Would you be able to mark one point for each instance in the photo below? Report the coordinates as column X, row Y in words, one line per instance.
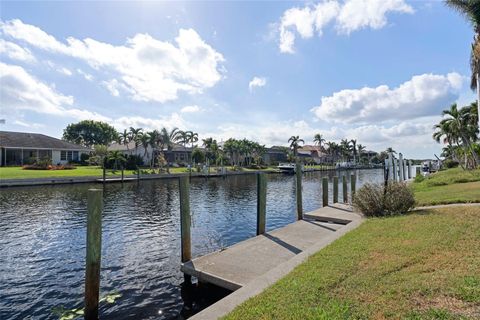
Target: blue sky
column 377, row 71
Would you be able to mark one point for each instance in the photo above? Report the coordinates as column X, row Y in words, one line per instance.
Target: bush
column 133, row 161
column 378, row 200
column 450, row 163
column 419, row 178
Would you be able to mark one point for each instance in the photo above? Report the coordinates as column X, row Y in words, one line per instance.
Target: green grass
column 449, row 186
column 424, row 265
column 83, row 171
column 19, row 173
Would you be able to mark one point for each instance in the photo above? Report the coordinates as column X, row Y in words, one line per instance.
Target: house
column 19, row 148
column 275, row 155
column 177, row 154
column 315, row 153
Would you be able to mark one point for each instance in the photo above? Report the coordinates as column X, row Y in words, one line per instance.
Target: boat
column 287, row 168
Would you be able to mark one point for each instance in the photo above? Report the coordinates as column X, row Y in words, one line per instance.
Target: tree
column 318, row 140
column 117, row 157
column 361, row 148
column 354, row 149
column 294, row 144
column 390, row 150
column 471, row 10
column 90, row 133
column 169, row 138
column 124, row 138
column 135, row 135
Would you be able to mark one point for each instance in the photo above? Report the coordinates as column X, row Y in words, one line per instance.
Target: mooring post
column 409, row 169
column 94, row 252
column 401, row 177
column 122, row 175
column 353, row 184
column 345, row 192
column 335, row 189
column 261, row 202
column 104, row 173
column 298, row 173
column 184, row 187
column 138, row 173
column 325, row 191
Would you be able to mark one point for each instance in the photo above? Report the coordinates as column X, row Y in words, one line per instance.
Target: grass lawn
column 80, row 171
column 449, row 186
column 19, row 173
column 425, row 265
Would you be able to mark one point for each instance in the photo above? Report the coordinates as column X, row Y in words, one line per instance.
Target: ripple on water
column 42, row 239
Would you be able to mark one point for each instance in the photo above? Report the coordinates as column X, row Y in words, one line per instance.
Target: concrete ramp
column 240, row 264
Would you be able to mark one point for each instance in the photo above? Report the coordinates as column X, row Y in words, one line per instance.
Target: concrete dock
column 242, row 263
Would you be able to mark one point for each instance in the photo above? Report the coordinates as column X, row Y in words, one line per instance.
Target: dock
column 242, row 263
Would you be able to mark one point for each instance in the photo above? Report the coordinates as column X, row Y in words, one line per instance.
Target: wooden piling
column 409, row 169
column 325, row 191
column 261, row 202
column 298, row 173
column 335, row 189
column 94, row 252
column 138, row 173
column 345, row 192
column 184, row 187
column 353, row 184
column 104, row 173
column 122, row 174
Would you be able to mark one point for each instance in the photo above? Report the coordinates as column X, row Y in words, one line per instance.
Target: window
column 63, row 155
column 75, row 156
column 69, row 155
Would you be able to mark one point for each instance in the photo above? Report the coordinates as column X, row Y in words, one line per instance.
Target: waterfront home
column 275, row 155
column 313, row 153
column 19, row 148
column 177, row 155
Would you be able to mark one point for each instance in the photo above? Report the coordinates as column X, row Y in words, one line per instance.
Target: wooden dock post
column 261, row 202
column 325, row 192
column 94, row 252
column 104, row 173
column 345, row 192
column 138, row 173
column 298, row 173
column 186, row 243
column 401, row 177
column 409, row 169
column 353, row 184
column 122, row 174
column 335, row 189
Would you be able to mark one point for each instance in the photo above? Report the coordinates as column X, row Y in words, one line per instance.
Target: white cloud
column 15, row 52
column 349, row 16
column 190, row 109
column 172, row 121
column 423, row 95
column 151, row 69
column 87, row 76
column 257, row 82
column 64, row 71
column 112, row 87
column 21, row 91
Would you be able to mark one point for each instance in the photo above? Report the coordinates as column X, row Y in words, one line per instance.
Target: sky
column 378, row 71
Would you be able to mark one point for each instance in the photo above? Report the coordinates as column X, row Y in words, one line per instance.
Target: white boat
column 287, row 168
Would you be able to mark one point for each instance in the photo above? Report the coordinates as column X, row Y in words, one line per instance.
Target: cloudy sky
column 379, row 71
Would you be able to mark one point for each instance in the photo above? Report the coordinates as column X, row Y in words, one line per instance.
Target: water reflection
column 43, row 234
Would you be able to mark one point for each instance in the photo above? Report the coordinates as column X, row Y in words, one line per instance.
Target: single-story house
column 275, row 155
column 19, row 148
column 177, row 154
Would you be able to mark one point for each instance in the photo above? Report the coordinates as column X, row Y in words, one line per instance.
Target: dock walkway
column 240, row 264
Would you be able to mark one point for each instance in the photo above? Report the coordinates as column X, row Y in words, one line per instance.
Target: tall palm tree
column 294, row 144
column 124, row 138
column 169, row 138
column 471, row 10
column 345, row 149
column 154, row 138
column 117, row 157
column 318, row 140
column 145, row 142
column 390, row 150
column 353, row 142
column 360, row 148
column 135, row 134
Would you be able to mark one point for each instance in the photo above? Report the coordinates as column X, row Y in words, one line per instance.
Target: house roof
column 10, row 139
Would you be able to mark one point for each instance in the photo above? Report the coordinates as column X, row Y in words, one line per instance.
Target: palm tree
column 294, row 144
column 169, row 138
column 145, row 142
column 135, row 135
column 390, row 150
column 354, row 150
column 318, row 140
column 117, row 157
column 153, row 138
column 361, row 148
column 459, row 126
column 345, row 149
column 124, row 138
column 471, row 10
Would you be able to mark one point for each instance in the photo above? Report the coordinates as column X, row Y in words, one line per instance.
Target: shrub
column 419, row 178
column 380, row 200
column 450, row 163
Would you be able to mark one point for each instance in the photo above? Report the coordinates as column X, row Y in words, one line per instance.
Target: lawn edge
column 257, row 286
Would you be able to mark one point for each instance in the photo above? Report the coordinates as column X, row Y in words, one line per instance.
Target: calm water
column 43, row 234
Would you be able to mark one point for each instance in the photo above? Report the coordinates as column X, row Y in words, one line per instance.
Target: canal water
column 43, row 235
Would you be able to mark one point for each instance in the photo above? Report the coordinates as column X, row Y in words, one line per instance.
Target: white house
column 18, row 148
